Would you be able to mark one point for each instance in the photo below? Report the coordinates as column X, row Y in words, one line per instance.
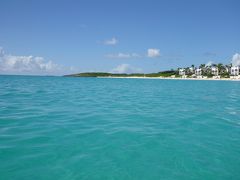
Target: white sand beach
column 175, row 78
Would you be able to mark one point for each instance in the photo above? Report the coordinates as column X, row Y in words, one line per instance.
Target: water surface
column 90, row 128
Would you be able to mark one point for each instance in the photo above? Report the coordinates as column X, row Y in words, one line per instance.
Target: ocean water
column 91, row 128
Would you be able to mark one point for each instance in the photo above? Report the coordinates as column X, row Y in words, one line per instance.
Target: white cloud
column 123, row 55
column 153, row 53
column 112, row 41
column 236, row 60
column 29, row 65
column 209, row 63
column 125, row 68
column 1, row 52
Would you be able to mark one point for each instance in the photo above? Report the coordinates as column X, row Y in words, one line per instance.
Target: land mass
column 103, row 74
column 214, row 71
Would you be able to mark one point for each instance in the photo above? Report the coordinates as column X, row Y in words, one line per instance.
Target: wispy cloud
column 125, row 68
column 29, row 65
column 236, row 60
column 123, row 55
column 209, row 54
column 209, row 63
column 152, row 53
column 112, row 41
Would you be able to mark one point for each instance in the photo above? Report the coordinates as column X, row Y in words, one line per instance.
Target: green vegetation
column 89, row 74
column 225, row 75
column 103, row 74
column 205, row 70
column 162, row 74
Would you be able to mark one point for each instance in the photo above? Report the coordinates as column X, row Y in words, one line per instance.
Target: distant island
column 213, row 71
column 103, row 74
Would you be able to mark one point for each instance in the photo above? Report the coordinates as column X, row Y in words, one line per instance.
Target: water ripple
column 87, row 128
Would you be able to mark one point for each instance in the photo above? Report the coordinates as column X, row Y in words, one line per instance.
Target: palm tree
column 202, row 66
column 192, row 69
column 221, row 68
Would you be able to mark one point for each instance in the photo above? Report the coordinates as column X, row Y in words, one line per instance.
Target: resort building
column 182, row 72
column 191, row 69
column 214, row 71
column 235, row 70
column 198, row 73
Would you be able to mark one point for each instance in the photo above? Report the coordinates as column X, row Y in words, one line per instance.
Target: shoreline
column 171, row 78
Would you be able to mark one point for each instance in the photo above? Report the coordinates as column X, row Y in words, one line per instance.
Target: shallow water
column 90, row 128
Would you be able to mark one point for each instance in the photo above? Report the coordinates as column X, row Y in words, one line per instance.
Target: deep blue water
column 90, row 128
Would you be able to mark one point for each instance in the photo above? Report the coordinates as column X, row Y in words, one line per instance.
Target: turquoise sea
column 90, row 128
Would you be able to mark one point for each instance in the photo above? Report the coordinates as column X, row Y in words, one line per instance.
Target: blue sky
column 116, row 35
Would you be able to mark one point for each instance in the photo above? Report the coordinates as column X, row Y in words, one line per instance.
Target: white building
column 182, row 72
column 235, row 71
column 198, row 72
column 191, row 69
column 214, row 71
